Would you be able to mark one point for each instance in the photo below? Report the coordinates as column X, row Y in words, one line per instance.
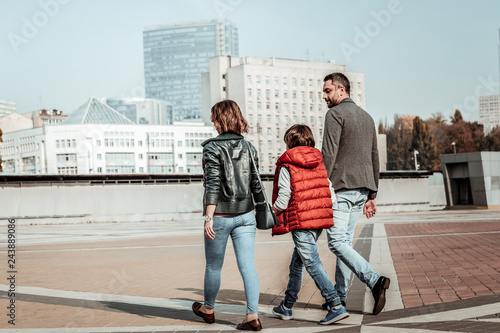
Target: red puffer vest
column 310, row 205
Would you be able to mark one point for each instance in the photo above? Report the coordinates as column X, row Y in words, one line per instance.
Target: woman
column 230, row 181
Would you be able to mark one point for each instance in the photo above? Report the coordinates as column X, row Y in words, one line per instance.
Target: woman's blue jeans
column 241, row 228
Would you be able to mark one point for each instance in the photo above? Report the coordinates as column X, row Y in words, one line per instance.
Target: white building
column 489, row 112
column 143, row 111
column 14, row 122
column 274, row 94
column 96, row 139
column 7, row 108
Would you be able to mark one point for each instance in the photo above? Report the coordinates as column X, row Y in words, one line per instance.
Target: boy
column 302, row 200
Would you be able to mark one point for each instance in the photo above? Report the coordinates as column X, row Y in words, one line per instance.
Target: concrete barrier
column 70, row 202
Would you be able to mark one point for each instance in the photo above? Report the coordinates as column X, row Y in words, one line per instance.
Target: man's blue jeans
column 346, row 210
column 306, row 254
column 241, row 228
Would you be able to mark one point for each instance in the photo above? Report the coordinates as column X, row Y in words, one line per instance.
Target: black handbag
column 264, row 214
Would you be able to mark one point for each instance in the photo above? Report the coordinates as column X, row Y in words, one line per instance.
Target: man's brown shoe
column 253, row 325
column 207, row 317
column 378, row 293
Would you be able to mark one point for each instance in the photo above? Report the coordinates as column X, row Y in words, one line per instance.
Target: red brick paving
column 442, row 262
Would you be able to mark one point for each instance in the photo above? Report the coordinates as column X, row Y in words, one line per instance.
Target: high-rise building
column 143, row 111
column 274, row 94
column 176, row 55
column 7, row 108
column 489, row 112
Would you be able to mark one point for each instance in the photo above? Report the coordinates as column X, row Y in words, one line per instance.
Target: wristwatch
column 208, row 218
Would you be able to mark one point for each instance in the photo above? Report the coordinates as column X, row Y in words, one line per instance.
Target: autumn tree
column 399, row 140
column 424, row 143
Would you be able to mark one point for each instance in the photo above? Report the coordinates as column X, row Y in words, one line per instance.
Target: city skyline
column 77, row 49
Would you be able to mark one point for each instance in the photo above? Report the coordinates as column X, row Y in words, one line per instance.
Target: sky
column 419, row 57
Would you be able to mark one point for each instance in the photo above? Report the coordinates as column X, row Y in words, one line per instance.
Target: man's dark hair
column 339, row 78
column 299, row 135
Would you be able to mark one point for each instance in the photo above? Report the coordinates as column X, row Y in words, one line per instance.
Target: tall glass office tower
column 176, row 55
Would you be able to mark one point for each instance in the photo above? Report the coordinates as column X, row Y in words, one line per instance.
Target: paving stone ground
column 143, row 277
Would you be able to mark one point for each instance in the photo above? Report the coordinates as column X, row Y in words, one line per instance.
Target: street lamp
column 454, row 147
column 415, row 153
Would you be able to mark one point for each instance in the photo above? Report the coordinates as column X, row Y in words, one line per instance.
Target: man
column 351, row 159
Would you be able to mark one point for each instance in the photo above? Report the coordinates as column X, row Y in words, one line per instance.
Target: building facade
column 105, row 149
column 14, row 122
column 274, row 94
column 176, row 55
column 45, row 117
column 96, row 139
column 7, row 108
column 489, row 112
column 143, row 111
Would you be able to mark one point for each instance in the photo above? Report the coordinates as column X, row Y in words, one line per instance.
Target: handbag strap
column 257, row 172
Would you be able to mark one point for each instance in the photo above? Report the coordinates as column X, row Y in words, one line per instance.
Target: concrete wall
column 79, row 203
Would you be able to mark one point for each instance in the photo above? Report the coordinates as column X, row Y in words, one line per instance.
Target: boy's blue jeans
column 306, row 255
column 241, row 228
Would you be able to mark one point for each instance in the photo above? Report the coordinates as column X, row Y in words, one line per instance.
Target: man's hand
column 370, row 208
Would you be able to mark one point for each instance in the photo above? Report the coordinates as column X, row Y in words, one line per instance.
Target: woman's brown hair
column 299, row 135
column 227, row 115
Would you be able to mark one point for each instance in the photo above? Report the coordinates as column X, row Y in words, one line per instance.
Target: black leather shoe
column 378, row 293
column 208, row 318
column 254, row 325
column 324, row 306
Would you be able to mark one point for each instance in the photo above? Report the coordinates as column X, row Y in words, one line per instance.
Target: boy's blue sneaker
column 334, row 316
column 284, row 314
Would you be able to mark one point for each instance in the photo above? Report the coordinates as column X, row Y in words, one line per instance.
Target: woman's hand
column 209, row 229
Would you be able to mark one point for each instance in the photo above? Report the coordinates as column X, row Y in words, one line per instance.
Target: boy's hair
column 228, row 116
column 299, row 135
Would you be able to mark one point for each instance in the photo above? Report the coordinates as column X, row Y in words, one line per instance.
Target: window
column 98, row 142
column 276, row 93
column 141, row 156
column 268, row 93
column 249, row 92
column 99, row 157
column 58, row 144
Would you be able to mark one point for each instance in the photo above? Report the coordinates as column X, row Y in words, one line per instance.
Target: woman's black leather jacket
column 229, row 177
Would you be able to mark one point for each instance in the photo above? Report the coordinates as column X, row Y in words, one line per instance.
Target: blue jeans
column 346, row 210
column 306, row 255
column 241, row 228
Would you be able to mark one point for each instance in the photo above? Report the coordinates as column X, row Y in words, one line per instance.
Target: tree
column 424, row 143
column 457, row 117
column 399, row 139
